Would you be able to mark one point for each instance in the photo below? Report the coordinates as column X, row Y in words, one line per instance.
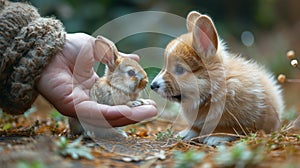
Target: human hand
column 66, row 82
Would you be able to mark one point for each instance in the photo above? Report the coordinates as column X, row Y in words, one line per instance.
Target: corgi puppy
column 219, row 92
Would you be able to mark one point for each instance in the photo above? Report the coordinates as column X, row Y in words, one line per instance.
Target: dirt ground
column 37, row 140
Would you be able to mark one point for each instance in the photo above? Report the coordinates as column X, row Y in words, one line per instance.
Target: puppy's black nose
column 154, row 86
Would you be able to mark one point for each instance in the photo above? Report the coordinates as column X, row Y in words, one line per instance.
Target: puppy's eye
column 179, row 70
column 131, row 73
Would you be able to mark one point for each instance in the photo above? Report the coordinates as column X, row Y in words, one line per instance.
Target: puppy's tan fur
column 218, row 91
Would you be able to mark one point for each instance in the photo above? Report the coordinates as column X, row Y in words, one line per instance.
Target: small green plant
column 240, row 155
column 132, row 131
column 163, row 136
column 7, row 126
column 252, row 137
column 188, row 159
column 57, row 116
column 74, row 149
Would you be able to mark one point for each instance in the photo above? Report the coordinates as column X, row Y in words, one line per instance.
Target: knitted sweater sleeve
column 27, row 44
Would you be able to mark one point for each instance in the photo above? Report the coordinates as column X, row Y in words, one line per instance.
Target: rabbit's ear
column 205, row 37
column 106, row 51
column 190, row 20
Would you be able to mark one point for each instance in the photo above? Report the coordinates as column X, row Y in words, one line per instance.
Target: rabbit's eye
column 179, row 70
column 131, row 73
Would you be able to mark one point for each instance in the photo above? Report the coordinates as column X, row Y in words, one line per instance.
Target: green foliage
column 5, row 118
column 7, row 126
column 132, row 131
column 34, row 164
column 74, row 149
column 248, row 138
column 240, row 155
column 265, row 13
column 151, row 72
column 163, row 136
column 57, row 116
column 188, row 159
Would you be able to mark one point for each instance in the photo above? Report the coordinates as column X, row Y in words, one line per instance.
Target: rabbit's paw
column 136, row 103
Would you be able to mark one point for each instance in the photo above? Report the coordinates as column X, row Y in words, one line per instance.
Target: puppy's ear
column 106, row 51
column 191, row 19
column 205, row 37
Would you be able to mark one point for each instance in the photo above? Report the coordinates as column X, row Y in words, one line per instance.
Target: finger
column 122, row 122
column 132, row 56
column 83, row 59
column 74, row 41
column 139, row 114
column 104, row 115
column 108, row 124
column 143, row 112
column 93, row 110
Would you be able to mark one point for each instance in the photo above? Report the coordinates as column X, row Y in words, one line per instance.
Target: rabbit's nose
column 143, row 83
column 154, row 86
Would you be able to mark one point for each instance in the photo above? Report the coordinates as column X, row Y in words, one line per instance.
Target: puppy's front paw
column 188, row 134
column 136, row 103
column 218, row 140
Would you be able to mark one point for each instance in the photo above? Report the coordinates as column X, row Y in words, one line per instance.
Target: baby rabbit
column 124, row 78
column 219, row 92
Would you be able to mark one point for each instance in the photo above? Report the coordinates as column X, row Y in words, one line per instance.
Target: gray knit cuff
column 27, row 44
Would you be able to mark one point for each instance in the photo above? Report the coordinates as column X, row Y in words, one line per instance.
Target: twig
column 293, row 80
column 238, row 123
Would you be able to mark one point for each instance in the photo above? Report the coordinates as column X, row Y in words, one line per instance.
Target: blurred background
column 263, row 30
